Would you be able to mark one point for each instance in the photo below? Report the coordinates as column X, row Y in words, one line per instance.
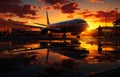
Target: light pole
column 116, row 9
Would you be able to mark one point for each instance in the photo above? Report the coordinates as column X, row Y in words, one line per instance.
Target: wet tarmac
column 58, row 57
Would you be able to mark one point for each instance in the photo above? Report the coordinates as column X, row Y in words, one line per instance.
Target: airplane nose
column 87, row 26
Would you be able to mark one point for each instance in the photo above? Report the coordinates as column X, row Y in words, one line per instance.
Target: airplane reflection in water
column 72, row 50
column 69, row 51
column 43, row 53
column 92, row 44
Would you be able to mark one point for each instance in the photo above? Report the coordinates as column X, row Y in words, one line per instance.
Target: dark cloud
column 101, row 16
column 6, row 16
column 52, row 2
column 66, row 6
column 16, row 7
column 70, row 8
column 58, row 7
column 10, row 22
column 26, row 9
column 107, row 16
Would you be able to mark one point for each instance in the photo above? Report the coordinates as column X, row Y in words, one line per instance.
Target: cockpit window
column 81, row 21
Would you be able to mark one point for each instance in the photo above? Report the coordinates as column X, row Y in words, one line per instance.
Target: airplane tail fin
column 43, row 25
column 48, row 22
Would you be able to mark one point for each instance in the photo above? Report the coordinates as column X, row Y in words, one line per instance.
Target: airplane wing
column 41, row 25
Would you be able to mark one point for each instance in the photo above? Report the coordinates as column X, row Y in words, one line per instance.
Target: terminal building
column 110, row 31
column 117, row 23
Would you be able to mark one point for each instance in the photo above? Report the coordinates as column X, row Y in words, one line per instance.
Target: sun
column 91, row 28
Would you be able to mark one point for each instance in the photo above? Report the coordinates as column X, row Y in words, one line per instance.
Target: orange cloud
column 39, row 0
column 6, row 15
column 70, row 16
column 70, row 8
column 93, row 0
column 100, row 1
column 57, row 6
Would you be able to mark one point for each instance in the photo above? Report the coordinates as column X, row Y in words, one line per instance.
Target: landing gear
column 64, row 35
column 78, row 36
column 50, row 34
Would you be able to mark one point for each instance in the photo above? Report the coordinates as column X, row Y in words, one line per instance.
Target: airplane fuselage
column 75, row 25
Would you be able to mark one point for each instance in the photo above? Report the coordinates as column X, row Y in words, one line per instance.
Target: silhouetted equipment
column 47, row 57
column 116, row 16
column 106, row 32
column 99, row 39
column 99, row 47
column 99, row 31
column 117, row 22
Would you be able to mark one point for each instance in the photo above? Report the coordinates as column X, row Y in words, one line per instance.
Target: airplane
column 74, row 26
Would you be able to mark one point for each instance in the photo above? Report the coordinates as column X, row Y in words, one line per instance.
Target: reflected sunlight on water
column 33, row 45
column 92, row 48
column 100, row 50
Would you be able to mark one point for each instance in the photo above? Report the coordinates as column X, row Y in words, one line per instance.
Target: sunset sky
column 95, row 12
